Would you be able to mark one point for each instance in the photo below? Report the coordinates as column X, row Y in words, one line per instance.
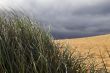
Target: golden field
column 97, row 47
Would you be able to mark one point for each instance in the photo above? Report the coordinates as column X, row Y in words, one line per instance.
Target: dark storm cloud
column 70, row 18
column 88, row 21
column 101, row 9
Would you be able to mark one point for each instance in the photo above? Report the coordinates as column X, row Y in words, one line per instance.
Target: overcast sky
column 67, row 18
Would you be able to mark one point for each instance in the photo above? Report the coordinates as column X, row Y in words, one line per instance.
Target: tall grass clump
column 26, row 48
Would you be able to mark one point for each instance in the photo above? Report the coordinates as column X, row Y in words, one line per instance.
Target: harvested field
column 98, row 47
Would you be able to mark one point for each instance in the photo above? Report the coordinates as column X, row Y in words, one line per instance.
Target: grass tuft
column 26, row 48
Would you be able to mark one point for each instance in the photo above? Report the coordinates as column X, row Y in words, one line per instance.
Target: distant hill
column 96, row 46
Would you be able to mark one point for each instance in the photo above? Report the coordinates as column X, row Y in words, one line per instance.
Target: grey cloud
column 100, row 9
column 65, row 23
column 70, row 18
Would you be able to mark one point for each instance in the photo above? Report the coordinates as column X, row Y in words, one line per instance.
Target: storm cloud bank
column 67, row 18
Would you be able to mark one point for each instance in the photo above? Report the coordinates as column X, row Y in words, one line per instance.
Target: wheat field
column 98, row 47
